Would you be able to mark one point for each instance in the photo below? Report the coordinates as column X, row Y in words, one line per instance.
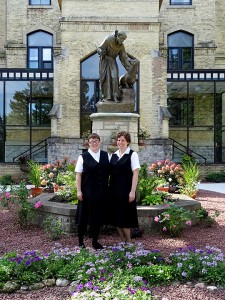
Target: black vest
column 94, row 183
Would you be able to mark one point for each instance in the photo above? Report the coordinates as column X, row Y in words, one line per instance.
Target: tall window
column 40, row 50
column 182, row 111
column 180, row 2
column 39, row 2
column 180, row 51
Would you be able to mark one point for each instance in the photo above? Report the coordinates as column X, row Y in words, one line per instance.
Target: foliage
column 23, row 159
column 17, row 201
column 171, row 172
column 187, row 159
column 69, row 190
column 34, row 173
column 117, row 272
column 143, row 134
column 86, row 134
column 53, row 228
column 192, row 264
column 153, row 199
column 216, row 176
column 173, row 219
column 201, row 215
column 114, row 133
column 58, row 175
column 6, row 180
column 146, row 189
column 191, row 178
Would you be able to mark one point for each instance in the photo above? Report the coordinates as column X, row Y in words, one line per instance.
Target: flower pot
column 36, row 191
column 113, row 142
column 141, row 142
column 163, row 188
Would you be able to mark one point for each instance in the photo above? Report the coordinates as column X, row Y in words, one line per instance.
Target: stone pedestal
column 126, row 104
column 104, row 123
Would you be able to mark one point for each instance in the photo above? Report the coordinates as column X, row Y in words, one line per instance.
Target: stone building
column 49, row 77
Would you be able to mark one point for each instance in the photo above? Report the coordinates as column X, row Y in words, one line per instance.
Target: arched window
column 180, row 51
column 39, row 52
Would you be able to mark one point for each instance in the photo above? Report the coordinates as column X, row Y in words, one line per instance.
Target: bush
column 216, row 176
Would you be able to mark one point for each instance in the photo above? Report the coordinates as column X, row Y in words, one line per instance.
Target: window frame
column 39, row 4
column 40, row 60
column 181, row 59
column 181, row 2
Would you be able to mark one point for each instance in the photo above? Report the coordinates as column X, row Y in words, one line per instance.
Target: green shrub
column 216, row 176
column 6, row 180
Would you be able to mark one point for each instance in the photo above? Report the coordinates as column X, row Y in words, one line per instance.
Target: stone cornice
column 120, row 19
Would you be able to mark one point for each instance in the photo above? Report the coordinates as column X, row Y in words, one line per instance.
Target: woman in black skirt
column 124, row 169
column 92, row 174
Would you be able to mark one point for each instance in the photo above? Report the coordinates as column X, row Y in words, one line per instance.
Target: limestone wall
column 23, row 19
column 198, row 19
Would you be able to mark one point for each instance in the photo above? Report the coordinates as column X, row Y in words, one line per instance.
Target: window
column 180, row 51
column 182, row 112
column 39, row 2
column 40, row 50
column 180, row 2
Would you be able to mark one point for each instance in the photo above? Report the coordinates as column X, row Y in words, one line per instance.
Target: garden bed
column 66, row 212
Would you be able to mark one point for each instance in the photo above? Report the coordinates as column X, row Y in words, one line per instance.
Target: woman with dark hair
column 92, row 174
column 124, row 169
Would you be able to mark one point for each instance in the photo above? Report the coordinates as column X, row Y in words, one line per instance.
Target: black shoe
column 97, row 246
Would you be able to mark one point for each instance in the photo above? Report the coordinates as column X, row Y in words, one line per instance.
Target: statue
column 111, row 47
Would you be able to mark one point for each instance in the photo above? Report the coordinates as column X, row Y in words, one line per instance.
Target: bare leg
column 121, row 234
column 126, row 232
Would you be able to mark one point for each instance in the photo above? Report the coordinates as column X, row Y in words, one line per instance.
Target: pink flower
column 188, row 223
column 167, row 216
column 51, row 175
column 166, row 205
column 7, row 194
column 164, row 229
column 38, row 204
column 156, row 219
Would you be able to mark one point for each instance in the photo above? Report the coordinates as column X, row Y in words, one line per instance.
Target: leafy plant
column 187, row 159
column 153, row 199
column 143, row 134
column 53, row 228
column 17, row 201
column 6, row 180
column 34, row 173
column 216, row 176
column 86, row 134
column 173, row 219
column 169, row 171
column 191, row 178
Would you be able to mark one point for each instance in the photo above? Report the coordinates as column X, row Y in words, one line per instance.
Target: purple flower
column 103, row 279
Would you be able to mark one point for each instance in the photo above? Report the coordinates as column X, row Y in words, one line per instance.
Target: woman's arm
column 134, row 185
column 78, row 184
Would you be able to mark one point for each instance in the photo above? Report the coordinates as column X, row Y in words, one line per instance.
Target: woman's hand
column 131, row 196
column 80, row 196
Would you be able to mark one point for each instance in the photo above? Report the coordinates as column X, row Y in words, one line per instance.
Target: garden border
column 66, row 212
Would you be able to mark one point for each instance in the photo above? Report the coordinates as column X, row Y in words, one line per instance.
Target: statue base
column 126, row 105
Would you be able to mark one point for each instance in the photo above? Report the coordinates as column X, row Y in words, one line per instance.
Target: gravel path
column 13, row 238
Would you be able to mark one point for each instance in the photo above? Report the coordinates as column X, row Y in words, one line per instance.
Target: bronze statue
column 111, row 47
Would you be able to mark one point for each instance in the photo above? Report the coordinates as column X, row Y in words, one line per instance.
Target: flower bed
column 66, row 212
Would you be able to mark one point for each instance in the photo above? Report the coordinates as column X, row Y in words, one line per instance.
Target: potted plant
column 23, row 161
column 85, row 136
column 142, row 135
column 34, row 176
column 113, row 137
column 191, row 178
